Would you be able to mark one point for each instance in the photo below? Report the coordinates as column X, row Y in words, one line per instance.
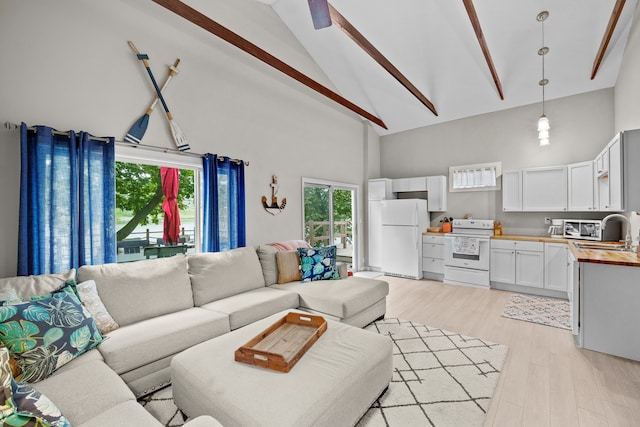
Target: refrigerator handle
column 416, row 222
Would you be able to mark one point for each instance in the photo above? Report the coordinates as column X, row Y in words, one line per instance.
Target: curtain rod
column 14, row 126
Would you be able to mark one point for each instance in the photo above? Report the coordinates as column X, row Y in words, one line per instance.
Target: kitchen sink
column 618, row 247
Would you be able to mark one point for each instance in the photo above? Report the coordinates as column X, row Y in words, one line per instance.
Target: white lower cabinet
column 517, row 262
column 503, row 265
column 433, row 257
column 532, row 267
column 556, row 266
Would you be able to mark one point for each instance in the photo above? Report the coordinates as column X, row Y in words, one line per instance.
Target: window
column 139, row 199
column 478, row 177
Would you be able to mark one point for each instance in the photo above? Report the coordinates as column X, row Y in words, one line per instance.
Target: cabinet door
column 544, row 189
column 437, row 193
column 530, row 268
column 615, row 175
column 503, row 266
column 379, row 189
column 375, row 234
column 602, row 162
column 512, row 191
column 581, row 186
column 400, row 184
column 556, row 266
column 418, row 183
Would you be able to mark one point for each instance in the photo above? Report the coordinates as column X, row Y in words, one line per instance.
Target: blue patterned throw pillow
column 23, row 405
column 47, row 333
column 318, row 263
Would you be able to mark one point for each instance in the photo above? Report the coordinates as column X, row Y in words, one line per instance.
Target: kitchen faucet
column 627, row 239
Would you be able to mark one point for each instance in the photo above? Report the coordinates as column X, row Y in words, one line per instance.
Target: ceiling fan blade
column 320, row 13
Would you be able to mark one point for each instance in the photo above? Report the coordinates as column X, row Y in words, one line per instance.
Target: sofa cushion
column 89, row 356
column 85, row 391
column 288, row 266
column 22, row 404
column 129, row 413
column 267, row 256
column 141, row 343
column 318, row 263
column 47, row 333
column 216, row 275
column 24, row 287
column 250, row 306
column 140, row 290
column 339, row 298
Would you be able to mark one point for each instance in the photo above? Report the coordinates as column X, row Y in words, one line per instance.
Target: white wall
column 627, row 92
column 66, row 64
column 581, row 126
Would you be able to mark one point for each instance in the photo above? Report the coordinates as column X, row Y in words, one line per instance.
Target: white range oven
column 466, row 254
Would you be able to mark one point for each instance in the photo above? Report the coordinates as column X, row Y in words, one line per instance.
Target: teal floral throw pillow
column 23, row 405
column 47, row 333
column 318, row 263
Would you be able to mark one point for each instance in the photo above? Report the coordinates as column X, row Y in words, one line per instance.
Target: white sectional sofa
column 167, row 305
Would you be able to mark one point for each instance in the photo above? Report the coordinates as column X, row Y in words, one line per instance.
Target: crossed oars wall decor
column 176, row 133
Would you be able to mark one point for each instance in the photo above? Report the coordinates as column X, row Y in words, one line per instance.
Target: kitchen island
column 606, row 300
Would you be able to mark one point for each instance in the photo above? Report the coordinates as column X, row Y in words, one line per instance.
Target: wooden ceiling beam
column 475, row 23
column 613, row 21
column 206, row 23
column 355, row 35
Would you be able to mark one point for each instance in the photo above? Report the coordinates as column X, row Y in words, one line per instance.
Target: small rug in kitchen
column 545, row 311
column 440, row 379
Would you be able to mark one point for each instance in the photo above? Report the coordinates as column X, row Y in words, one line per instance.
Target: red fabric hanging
column 170, row 182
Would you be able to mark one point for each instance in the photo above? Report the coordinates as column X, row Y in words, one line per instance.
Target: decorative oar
column 138, row 129
column 178, row 136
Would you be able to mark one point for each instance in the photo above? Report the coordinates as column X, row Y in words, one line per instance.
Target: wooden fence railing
column 318, row 232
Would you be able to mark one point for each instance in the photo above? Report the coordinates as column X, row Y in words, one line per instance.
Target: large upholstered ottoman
column 333, row 384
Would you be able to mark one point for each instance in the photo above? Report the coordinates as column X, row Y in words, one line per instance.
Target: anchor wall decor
column 273, row 208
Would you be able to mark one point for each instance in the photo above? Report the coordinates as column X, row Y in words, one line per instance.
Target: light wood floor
column 546, row 380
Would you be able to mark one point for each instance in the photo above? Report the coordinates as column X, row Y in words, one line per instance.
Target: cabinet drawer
column 436, row 239
column 431, row 250
column 433, row 265
column 521, row 245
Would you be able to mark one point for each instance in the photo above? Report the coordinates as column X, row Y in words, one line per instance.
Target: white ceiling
column 433, row 44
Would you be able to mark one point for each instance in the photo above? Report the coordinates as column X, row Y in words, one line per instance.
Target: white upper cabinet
column 512, row 191
column 380, row 189
column 418, row 183
column 544, row 189
column 581, row 186
column 437, row 193
column 609, row 175
column 602, row 163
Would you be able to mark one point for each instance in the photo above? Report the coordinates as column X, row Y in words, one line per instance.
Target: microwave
column 591, row 229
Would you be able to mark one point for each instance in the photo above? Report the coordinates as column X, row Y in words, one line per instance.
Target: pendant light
column 543, row 121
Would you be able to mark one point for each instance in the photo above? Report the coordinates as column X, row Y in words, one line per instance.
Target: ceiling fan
column 320, row 13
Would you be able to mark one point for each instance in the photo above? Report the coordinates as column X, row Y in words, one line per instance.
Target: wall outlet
column 547, row 220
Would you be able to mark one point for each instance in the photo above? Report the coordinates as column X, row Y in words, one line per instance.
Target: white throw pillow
column 91, row 300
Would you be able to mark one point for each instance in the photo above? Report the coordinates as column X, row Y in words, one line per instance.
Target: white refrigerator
column 403, row 222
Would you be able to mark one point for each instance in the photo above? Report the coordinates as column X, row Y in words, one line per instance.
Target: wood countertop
column 433, row 233
column 600, row 256
column 597, row 256
column 546, row 239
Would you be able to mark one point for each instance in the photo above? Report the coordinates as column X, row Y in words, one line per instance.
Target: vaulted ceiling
column 432, row 43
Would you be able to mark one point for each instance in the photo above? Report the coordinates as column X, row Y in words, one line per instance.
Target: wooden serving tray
column 280, row 346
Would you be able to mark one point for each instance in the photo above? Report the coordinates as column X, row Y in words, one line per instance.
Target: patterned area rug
column 545, row 311
column 441, row 379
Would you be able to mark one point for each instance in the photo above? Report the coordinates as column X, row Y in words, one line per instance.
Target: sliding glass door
column 329, row 212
